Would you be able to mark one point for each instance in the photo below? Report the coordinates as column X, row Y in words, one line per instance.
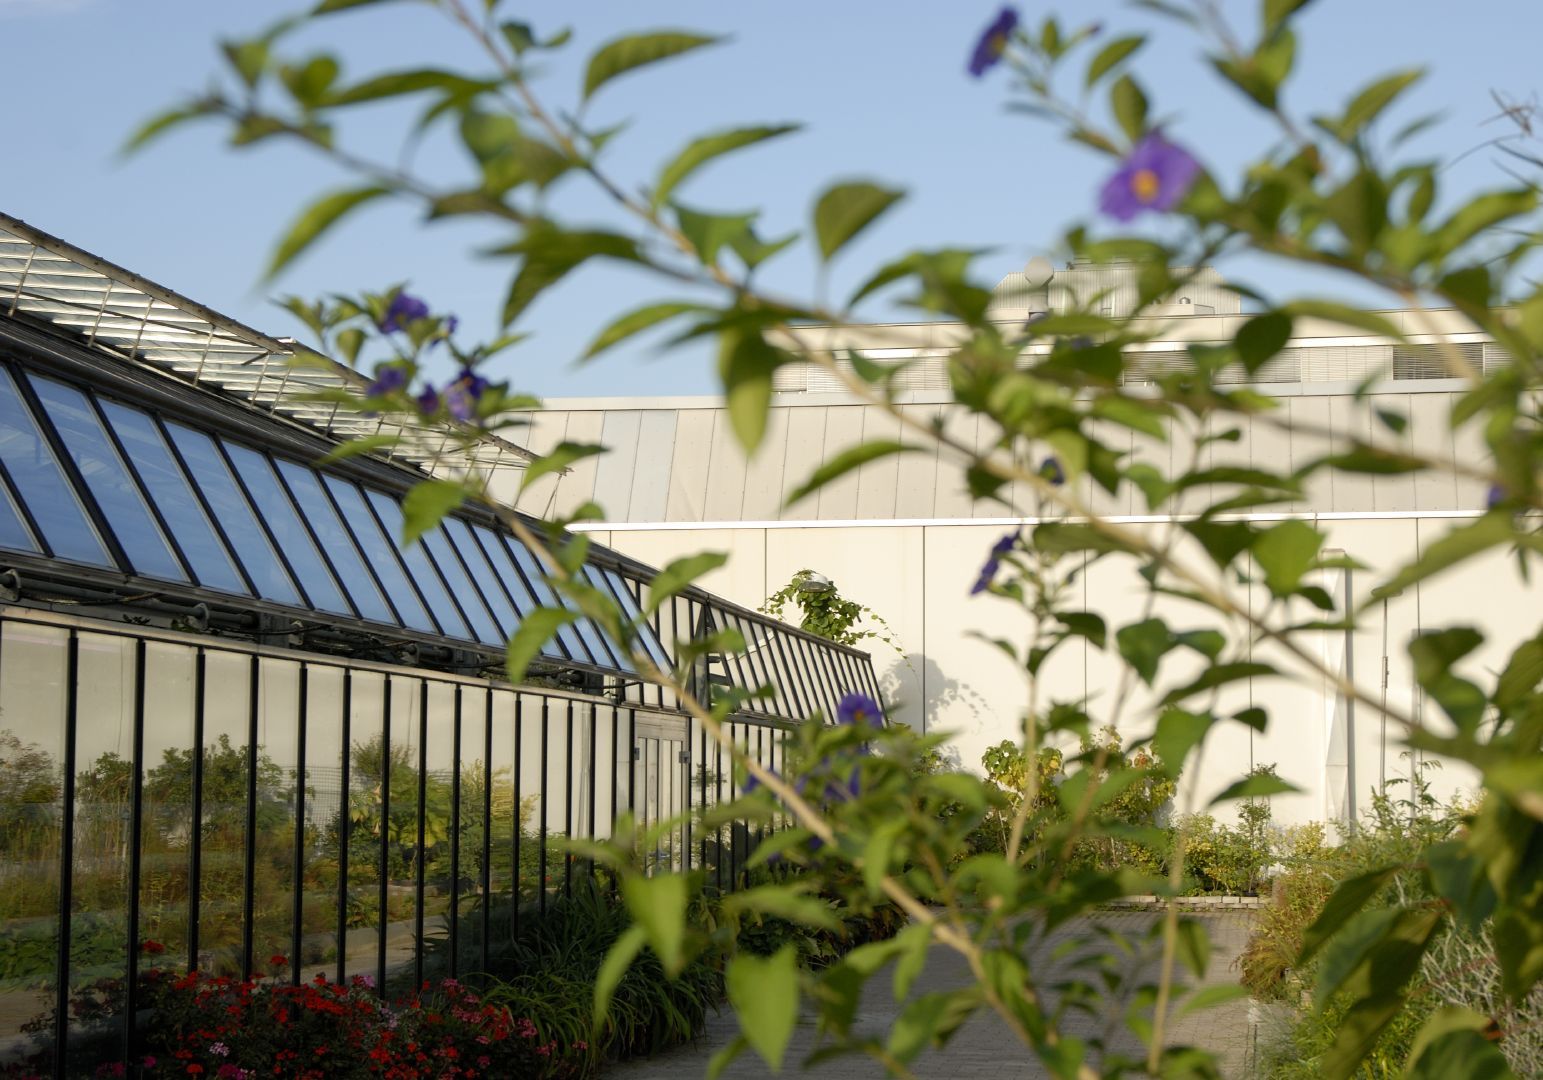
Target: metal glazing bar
column 422, row 798
column 593, row 774
column 136, row 829
column 542, row 787
column 344, row 824
column 66, row 857
column 383, row 853
column 196, row 833
column 143, row 489
column 487, row 824
column 297, row 887
column 519, row 744
column 568, row 801
column 249, row 858
column 455, row 837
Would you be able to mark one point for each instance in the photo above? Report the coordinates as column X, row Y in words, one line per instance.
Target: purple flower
column 1050, row 469
column 1156, row 176
column 462, row 396
column 428, row 401
column 388, row 380
column 859, row 709
column 988, row 571
column 993, row 42
column 1494, row 496
column 401, row 312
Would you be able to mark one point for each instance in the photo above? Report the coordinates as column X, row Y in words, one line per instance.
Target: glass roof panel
column 443, row 556
column 540, row 593
column 117, row 494
column 289, row 532
column 41, row 484
column 207, row 467
column 418, row 563
column 460, row 537
column 594, row 643
column 14, row 533
column 330, row 533
column 174, row 497
column 629, row 605
column 378, row 551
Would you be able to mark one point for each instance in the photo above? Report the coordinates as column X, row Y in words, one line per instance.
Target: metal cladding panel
column 1430, row 434
column 615, row 474
column 655, row 456
column 577, row 487
column 877, row 480
column 806, row 440
column 727, row 472
column 1396, row 491
column 952, row 499
column 1310, row 418
column 539, row 432
column 763, row 474
column 1352, row 492
column 843, row 431
column 1265, row 446
column 1116, row 438
column 691, row 464
column 1470, row 451
column 916, row 483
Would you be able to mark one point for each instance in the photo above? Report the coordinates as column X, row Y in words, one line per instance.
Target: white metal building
column 903, row 535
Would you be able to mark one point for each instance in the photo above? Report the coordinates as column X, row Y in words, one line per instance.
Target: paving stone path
column 984, row 1047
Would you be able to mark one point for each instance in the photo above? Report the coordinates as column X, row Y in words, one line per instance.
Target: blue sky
column 882, row 88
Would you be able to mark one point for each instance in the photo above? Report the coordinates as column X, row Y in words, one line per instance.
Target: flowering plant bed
column 219, row 1027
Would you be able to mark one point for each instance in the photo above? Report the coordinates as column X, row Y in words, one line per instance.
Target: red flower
column 154, row 948
column 278, row 961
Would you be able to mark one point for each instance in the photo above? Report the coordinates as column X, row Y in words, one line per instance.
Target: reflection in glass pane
column 41, row 483
column 291, row 535
column 439, row 836
column 14, row 533
column 366, row 770
column 534, row 797
column 498, row 555
column 417, row 563
column 324, row 821
column 460, row 537
column 470, row 896
column 32, row 712
column 166, row 837
column 378, row 551
column 629, row 604
column 174, row 498
column 222, row 866
column 207, row 467
column 402, row 835
column 104, row 782
column 505, row 823
column 461, row 587
column 278, row 757
column 108, row 478
column 544, row 594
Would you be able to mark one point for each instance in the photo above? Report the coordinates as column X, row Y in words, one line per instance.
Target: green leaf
column 793, row 903
column 1219, row 675
column 1350, row 897
column 1143, row 645
column 617, row 960
column 317, row 219
column 678, row 575
column 700, row 151
column 1480, row 214
column 1194, row 946
column 328, row 6
column 1209, row 997
column 764, row 993
column 746, row 364
column 725, row 1057
column 425, row 505
column 1358, row 1031
column 550, row 254
column 930, row 1019
column 1110, row 55
column 1343, row 313
column 1366, row 106
column 1179, row 732
column 1262, row 338
column 534, row 631
column 911, row 946
column 558, row 459
column 1278, row 11
column 844, row 210
column 1285, row 552
column 658, row 906
column 711, row 233
column 161, row 123
column 636, row 321
column 365, row 444
column 1255, row 787
column 1462, row 543
column 844, row 462
column 1130, row 107
column 1451, row 1046
column 400, row 83
column 629, row 53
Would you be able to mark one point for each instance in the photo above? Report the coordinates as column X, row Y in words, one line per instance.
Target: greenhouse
column 240, row 719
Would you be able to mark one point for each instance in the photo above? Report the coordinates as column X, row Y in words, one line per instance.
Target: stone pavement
column 984, row 1047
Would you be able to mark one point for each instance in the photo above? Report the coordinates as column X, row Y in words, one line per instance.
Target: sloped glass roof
column 130, row 491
